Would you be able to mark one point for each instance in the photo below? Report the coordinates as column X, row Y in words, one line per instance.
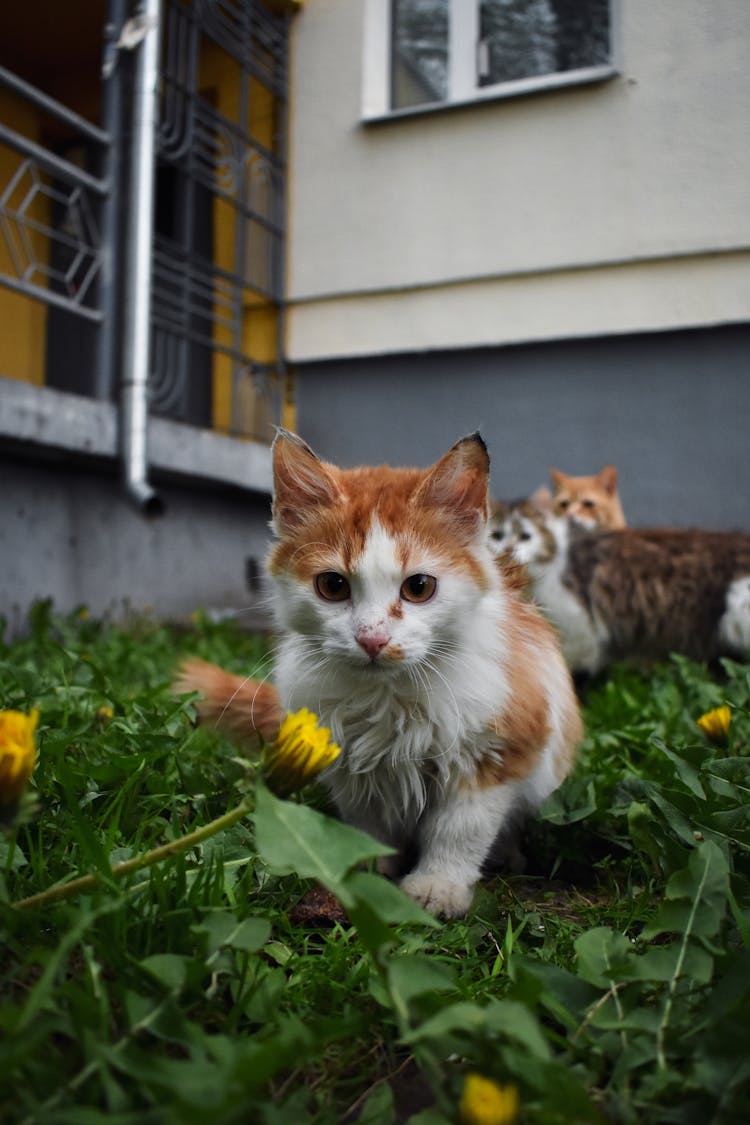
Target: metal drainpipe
column 144, row 32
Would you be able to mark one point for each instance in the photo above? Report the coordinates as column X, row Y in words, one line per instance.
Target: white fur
column 734, row 626
column 413, row 729
column 582, row 636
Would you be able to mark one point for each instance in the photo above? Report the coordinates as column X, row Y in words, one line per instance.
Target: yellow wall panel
column 24, row 320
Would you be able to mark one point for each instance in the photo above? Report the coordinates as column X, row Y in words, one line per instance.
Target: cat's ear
column 558, row 479
column 607, row 478
column 541, row 499
column 301, row 481
column 459, row 484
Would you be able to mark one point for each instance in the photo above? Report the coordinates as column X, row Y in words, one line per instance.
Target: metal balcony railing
column 75, row 209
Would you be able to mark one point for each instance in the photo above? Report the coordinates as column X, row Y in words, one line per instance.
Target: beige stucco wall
column 622, row 206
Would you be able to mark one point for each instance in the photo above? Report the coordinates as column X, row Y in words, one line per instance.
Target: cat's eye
column 525, row 536
column 563, row 504
column 590, row 504
column 332, row 586
column 418, row 588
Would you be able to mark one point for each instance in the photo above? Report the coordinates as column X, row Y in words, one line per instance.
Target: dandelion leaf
column 695, row 897
column 295, row 838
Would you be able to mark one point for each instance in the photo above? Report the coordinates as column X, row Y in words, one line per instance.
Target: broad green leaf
column 295, row 838
column 687, row 775
column 169, row 969
column 379, row 1108
column 562, row 993
column 641, row 823
column 224, row 929
column 573, row 801
column 463, row 1016
column 195, row 1081
column 696, row 896
column 502, row 1018
column 8, row 848
column 387, row 900
column 514, row 1020
column 375, row 934
column 682, row 825
column 601, row 955
column 411, row 975
column 661, row 963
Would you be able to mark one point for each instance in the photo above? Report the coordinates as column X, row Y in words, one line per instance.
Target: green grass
column 611, row 982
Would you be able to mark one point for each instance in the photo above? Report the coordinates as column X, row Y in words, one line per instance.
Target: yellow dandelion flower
column 301, row 751
column 17, row 753
column 484, row 1102
column 715, row 724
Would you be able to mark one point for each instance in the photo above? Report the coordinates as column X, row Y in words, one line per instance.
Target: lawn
column 609, row 983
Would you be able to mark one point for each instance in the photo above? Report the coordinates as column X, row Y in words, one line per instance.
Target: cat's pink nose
column 372, row 642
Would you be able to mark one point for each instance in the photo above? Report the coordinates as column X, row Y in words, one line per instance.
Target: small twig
column 374, row 1086
column 664, row 1022
column 156, row 855
column 612, row 991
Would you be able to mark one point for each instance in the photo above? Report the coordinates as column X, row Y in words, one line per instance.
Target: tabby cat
column 638, row 593
column 446, row 690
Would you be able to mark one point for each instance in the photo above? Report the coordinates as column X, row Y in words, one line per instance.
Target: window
column 422, row 54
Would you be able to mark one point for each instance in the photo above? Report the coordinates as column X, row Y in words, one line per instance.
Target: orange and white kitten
column 591, row 501
column 446, row 690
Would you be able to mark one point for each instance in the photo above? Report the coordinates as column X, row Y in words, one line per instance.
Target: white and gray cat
column 636, row 593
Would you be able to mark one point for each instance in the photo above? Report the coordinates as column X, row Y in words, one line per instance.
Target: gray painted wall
column 67, row 532
column 671, row 411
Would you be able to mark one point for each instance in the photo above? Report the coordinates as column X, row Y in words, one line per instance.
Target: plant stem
column 156, row 855
column 661, row 1032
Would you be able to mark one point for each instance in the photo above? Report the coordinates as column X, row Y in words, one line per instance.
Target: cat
column 503, row 523
column 592, row 501
column 638, row 593
column 446, row 690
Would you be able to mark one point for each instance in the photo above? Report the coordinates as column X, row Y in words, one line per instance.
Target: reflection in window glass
column 529, row 38
column 419, row 71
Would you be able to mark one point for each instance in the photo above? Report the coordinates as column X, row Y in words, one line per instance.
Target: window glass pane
column 419, row 57
column 527, row 38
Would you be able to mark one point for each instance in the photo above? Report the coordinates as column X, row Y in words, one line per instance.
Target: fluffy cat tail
column 241, row 707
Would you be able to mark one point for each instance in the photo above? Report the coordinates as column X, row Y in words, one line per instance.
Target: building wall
column 67, row 530
column 610, row 208
column 671, row 411
column 71, row 535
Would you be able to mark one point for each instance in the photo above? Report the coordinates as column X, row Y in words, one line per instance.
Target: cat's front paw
column 439, row 896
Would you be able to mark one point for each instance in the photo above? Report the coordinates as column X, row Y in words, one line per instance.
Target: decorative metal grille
column 50, row 228
column 218, row 249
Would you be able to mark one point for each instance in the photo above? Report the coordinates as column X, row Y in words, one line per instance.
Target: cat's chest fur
column 408, row 732
column 583, row 634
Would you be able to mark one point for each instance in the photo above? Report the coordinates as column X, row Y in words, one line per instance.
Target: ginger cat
column 398, row 627
column 591, row 501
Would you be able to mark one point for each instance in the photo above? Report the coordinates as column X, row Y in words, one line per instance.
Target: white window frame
column 463, row 88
